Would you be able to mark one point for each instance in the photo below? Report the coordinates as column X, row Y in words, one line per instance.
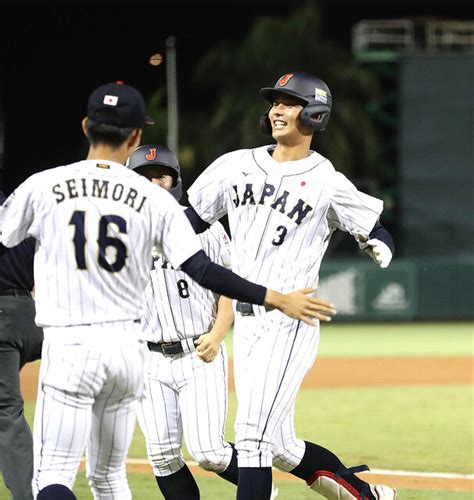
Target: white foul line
column 442, row 475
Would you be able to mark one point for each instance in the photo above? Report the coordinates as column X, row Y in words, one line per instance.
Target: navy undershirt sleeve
column 198, row 224
column 222, row 281
column 380, row 233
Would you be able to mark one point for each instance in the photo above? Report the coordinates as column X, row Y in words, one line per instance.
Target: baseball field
column 398, row 397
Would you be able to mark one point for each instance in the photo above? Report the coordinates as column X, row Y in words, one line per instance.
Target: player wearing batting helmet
column 186, row 363
column 283, row 202
column 147, row 160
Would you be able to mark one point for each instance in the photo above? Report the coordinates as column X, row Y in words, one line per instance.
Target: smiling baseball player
column 186, row 365
column 96, row 223
column 283, row 203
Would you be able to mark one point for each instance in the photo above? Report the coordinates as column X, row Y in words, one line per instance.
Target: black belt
column 244, row 308
column 16, row 292
column 168, row 348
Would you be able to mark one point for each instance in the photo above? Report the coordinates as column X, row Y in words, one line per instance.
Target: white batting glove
column 379, row 252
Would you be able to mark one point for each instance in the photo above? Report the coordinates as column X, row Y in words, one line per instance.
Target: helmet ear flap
column 315, row 124
column 265, row 125
column 177, row 190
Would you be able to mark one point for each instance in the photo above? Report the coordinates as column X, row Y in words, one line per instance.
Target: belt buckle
column 245, row 309
column 170, row 348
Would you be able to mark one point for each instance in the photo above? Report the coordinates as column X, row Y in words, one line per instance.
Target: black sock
column 254, row 483
column 178, row 486
column 317, row 458
column 56, row 492
column 231, row 474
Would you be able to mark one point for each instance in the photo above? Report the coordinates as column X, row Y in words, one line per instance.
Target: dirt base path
column 350, row 372
column 347, row 372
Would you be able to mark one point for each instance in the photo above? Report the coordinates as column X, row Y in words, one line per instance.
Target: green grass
column 403, row 428
column 418, row 428
column 400, row 428
column 406, row 428
column 143, row 486
column 397, row 339
column 393, row 339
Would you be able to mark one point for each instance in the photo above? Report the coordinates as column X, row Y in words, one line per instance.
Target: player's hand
column 207, row 347
column 299, row 305
column 379, row 252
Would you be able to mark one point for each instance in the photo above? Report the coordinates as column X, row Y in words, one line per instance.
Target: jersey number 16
column 78, row 220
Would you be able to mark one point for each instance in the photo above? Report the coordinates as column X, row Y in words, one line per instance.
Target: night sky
column 54, row 56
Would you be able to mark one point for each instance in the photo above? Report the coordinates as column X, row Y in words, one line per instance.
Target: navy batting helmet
column 154, row 155
column 311, row 90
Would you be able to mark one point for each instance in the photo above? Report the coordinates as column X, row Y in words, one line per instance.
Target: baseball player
column 186, row 363
column 96, row 223
column 283, row 202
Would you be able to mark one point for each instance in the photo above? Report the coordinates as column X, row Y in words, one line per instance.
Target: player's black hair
column 110, row 135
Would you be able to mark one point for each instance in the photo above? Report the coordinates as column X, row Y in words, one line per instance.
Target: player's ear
column 85, row 123
column 135, row 138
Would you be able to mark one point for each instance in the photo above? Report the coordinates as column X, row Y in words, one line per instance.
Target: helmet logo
column 320, row 95
column 284, row 79
column 151, row 155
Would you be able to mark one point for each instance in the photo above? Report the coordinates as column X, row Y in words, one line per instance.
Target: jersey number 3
column 78, row 220
column 280, row 237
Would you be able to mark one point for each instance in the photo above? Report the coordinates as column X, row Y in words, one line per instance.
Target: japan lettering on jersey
column 176, row 306
column 281, row 215
column 96, row 223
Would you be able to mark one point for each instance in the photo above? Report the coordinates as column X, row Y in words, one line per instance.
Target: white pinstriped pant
column 183, row 394
column 272, row 354
column 91, row 378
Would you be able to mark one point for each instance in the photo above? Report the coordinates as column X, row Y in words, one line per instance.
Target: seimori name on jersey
column 98, row 188
column 297, row 211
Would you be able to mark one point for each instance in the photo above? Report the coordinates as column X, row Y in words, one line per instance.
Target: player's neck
column 101, row 152
column 285, row 152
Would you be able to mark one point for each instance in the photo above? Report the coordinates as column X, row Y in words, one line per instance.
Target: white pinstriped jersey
column 281, row 215
column 176, row 306
column 96, row 223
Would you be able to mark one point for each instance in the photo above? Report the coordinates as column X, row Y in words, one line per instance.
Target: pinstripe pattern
column 90, row 380
column 184, row 396
column 66, row 295
column 295, row 263
column 96, row 224
column 281, row 217
column 272, row 354
column 174, row 312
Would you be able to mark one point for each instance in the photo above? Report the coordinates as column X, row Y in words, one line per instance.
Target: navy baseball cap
column 118, row 104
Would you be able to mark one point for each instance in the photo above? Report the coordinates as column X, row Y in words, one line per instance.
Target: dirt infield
column 350, row 372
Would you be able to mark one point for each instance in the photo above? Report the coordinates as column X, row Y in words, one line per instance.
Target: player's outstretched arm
column 220, row 280
column 299, row 305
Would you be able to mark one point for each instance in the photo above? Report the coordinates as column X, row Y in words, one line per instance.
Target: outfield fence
column 409, row 289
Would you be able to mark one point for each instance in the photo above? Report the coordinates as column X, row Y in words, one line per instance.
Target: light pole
column 172, row 91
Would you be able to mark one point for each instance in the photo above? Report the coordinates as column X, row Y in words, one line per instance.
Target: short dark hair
column 110, row 135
